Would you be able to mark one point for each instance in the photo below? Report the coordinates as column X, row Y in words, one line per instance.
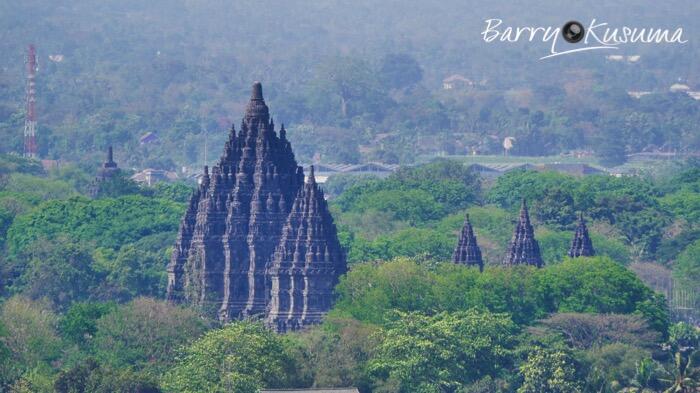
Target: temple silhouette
column 256, row 239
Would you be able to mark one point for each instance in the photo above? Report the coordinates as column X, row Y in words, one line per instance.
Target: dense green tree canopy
column 145, row 334
column 242, row 357
column 79, row 323
column 107, row 222
column 444, row 352
column 29, row 337
column 399, row 70
column 89, row 376
column 548, row 372
column 59, row 269
column 593, row 285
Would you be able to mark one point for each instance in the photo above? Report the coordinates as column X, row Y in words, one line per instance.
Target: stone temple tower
column 108, row 170
column 523, row 248
column 581, row 245
column 235, row 220
column 467, row 251
column 306, row 264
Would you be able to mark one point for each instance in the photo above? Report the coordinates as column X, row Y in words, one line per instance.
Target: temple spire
column 581, row 245
column 307, row 263
column 467, row 251
column 523, row 248
column 109, row 169
column 251, row 220
column 257, row 109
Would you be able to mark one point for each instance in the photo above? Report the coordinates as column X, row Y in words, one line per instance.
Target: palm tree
column 643, row 377
column 684, row 377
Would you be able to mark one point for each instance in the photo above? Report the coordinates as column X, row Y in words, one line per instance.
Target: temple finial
column 256, row 110
column 257, row 93
column 312, row 178
column 109, row 164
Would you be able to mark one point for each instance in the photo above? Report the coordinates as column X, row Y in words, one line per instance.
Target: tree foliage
column 31, row 338
column 444, row 352
column 145, row 334
column 79, row 323
column 107, row 222
column 59, row 269
column 591, row 285
column 242, row 357
column 585, row 331
column 547, row 371
column 90, row 376
column 347, row 344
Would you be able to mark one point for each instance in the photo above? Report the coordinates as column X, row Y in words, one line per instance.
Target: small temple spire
column 109, row 164
column 467, row 251
column 523, row 248
column 581, row 245
column 109, row 169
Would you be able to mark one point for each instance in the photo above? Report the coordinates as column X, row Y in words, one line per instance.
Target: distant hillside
column 355, row 81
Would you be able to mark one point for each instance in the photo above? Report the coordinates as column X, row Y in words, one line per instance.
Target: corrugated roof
column 509, row 167
column 368, row 167
column 582, row 169
column 573, row 168
column 482, row 168
column 457, row 77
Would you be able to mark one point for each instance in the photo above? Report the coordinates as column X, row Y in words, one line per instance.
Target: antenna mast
column 30, row 150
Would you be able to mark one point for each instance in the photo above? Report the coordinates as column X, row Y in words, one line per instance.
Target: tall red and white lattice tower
column 30, row 119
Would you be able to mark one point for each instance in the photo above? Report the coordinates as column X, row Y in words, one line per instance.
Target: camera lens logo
column 573, row 32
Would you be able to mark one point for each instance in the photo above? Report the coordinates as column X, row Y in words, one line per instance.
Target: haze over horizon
column 121, row 69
